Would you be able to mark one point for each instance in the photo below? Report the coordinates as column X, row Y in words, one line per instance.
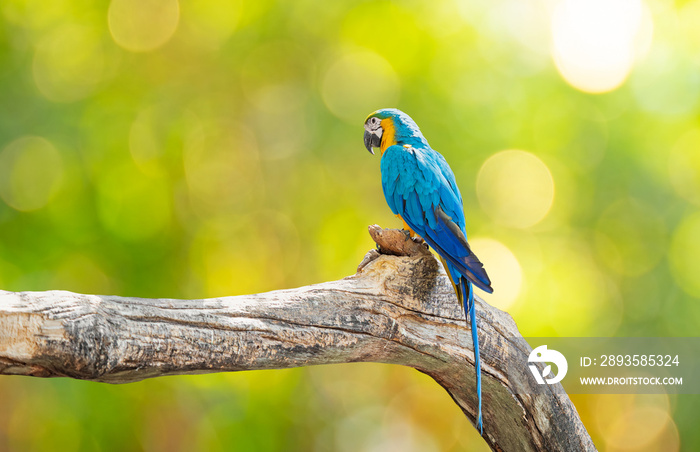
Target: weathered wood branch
column 396, row 309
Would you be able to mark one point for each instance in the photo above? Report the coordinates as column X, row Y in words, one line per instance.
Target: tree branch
column 396, row 309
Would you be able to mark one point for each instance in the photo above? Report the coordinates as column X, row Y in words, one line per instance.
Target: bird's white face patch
column 373, row 125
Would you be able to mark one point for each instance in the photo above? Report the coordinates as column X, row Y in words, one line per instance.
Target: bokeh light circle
column 639, row 429
column 357, row 84
column 595, row 42
column 515, row 188
column 31, row 173
column 689, row 18
column 68, row 64
column 143, row 25
column 676, row 73
column 210, row 22
column 581, row 300
column 503, row 268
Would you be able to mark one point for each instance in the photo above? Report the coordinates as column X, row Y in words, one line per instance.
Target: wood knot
column 395, row 242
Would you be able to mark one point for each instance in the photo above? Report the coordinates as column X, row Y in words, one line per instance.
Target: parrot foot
column 415, row 237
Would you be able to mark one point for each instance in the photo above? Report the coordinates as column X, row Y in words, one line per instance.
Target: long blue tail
column 470, row 312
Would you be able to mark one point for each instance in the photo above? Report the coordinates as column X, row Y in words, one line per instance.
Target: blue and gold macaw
column 420, row 188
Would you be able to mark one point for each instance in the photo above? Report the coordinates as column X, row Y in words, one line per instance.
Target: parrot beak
column 373, row 140
column 368, row 141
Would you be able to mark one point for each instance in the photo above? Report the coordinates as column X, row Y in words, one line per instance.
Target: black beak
column 372, row 140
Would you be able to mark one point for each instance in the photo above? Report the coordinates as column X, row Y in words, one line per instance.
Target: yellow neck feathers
column 388, row 134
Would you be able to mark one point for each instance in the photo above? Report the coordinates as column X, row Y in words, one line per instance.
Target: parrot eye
column 374, row 122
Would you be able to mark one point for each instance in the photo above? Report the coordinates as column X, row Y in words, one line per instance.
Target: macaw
column 420, row 188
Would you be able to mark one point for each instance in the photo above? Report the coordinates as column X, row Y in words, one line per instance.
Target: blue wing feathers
column 399, row 201
column 417, row 184
column 413, row 206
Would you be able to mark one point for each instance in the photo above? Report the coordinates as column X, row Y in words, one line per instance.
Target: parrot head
column 389, row 126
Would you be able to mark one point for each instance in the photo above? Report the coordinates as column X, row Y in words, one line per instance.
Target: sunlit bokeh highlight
column 143, row 25
column 504, row 270
column 639, row 429
column 210, row 22
column 663, row 67
column 69, row 63
column 515, row 188
column 635, row 423
column 577, row 293
column 595, row 42
column 689, row 17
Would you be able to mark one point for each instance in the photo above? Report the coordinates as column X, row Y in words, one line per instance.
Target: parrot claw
column 415, row 238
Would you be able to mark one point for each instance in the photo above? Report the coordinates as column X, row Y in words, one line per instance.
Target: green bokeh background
column 214, row 148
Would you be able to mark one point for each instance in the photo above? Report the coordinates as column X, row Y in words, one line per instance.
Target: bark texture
column 398, row 309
